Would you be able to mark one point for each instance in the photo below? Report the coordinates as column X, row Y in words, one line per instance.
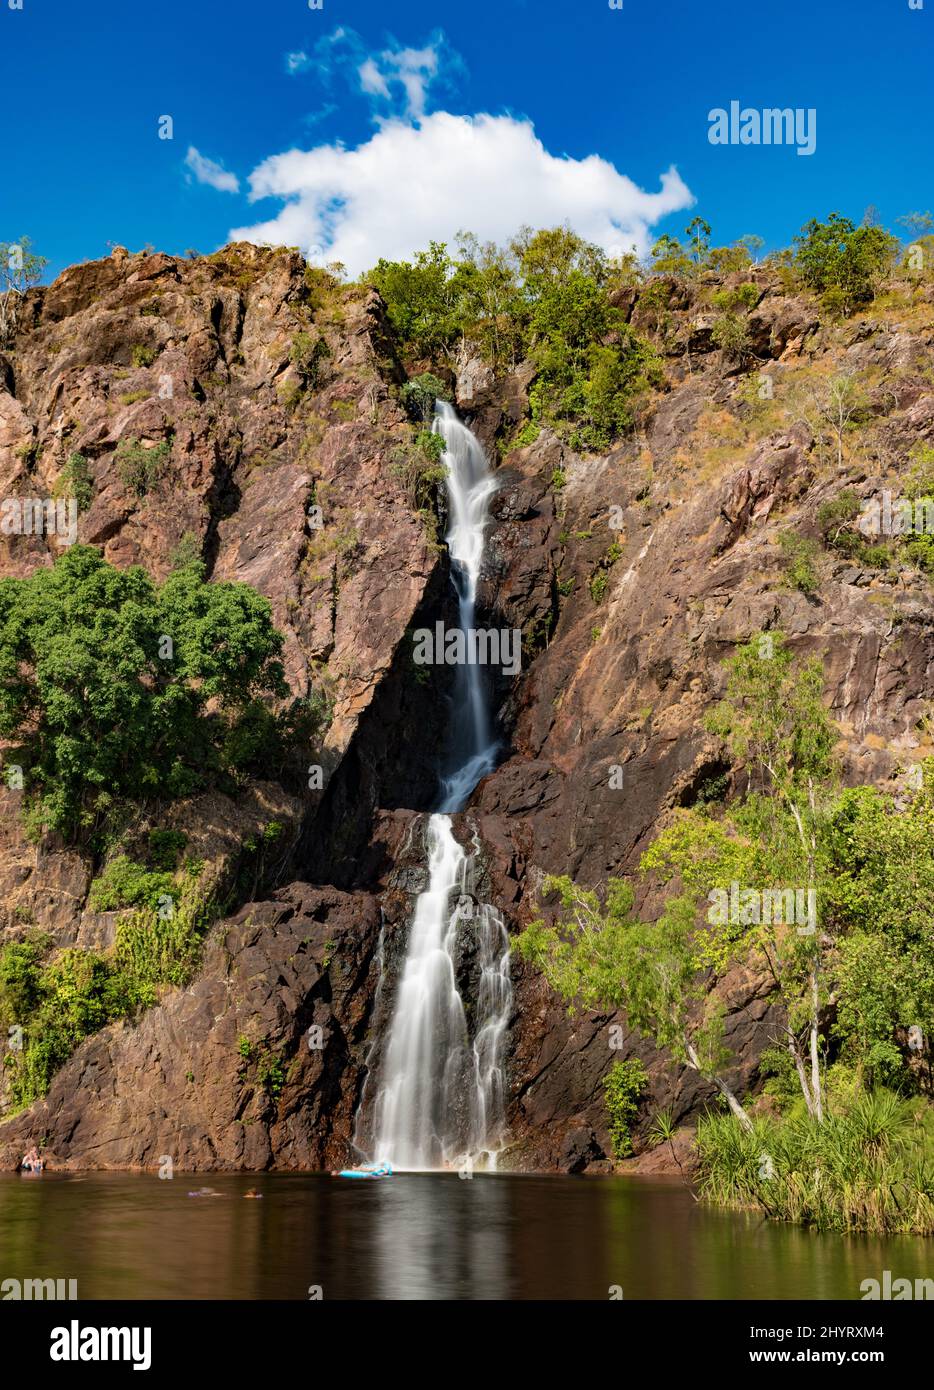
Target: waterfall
column 440, row 1098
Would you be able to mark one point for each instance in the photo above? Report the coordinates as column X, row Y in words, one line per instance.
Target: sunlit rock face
column 631, row 579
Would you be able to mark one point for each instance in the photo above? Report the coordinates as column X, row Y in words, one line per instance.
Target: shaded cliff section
column 632, row 576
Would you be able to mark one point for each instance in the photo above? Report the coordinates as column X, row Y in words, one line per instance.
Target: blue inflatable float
column 377, row 1170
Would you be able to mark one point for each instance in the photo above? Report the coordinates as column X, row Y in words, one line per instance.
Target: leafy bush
column 306, row 355
column 549, row 296
column 126, row 884
column 419, row 394
column 843, row 262
column 421, row 298
column 113, row 687
column 75, row 481
column 165, row 846
column 622, row 1089
column 141, row 469
column 744, row 296
column 731, row 336
column 61, row 1000
column 68, row 998
column 431, row 444
column 799, row 554
column 143, row 356
column 837, row 517
column 420, row 471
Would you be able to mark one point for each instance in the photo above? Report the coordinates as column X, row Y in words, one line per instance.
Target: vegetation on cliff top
column 548, row 296
column 561, row 303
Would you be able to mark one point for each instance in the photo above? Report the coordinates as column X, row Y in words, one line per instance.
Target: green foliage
column 115, row 688
column 139, row 468
column 432, row 445
column 843, row 262
column 799, row 556
column 669, row 257
column 162, row 946
column 61, row 999
column 75, row 481
column 586, row 386
column 869, row 1167
column 20, row 269
column 663, row 1127
column 527, row 435
column 306, row 354
column 595, row 955
column 20, row 970
column 731, row 336
column 837, row 519
column 773, row 716
column 729, row 301
column 124, row 883
column 165, row 846
column 547, row 296
column 270, row 1072
column 600, row 578
column 187, row 551
column 917, row 546
column 623, row 1088
column 598, row 585
column 422, row 298
column 837, row 516
column 143, row 356
column 419, row 394
column 877, row 901
column 57, row 1003
column 419, row 473
column 698, row 233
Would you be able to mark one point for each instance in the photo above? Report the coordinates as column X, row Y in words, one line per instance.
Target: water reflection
column 419, row 1236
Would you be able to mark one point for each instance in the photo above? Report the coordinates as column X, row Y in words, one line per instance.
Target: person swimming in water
column 32, row 1160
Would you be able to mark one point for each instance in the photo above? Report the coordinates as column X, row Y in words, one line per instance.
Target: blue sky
column 85, row 84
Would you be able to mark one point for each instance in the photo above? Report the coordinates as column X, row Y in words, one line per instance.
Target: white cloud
column 213, row 174
column 396, row 80
column 412, row 69
column 410, row 184
column 371, row 79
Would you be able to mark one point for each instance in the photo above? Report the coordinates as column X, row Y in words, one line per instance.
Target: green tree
column 598, row 956
column 843, row 262
column 669, row 258
column 774, row 721
column 20, row 269
column 877, row 902
column 421, row 298
column 113, row 687
column 698, row 233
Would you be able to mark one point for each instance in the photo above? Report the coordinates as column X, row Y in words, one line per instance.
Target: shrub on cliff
column 842, row 262
column 419, row 394
column 113, row 687
column 623, row 1087
column 141, row 469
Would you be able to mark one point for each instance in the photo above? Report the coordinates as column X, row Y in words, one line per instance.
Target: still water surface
column 419, row 1236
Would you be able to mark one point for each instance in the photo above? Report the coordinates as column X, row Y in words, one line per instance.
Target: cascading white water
column 440, row 1097
column 469, row 486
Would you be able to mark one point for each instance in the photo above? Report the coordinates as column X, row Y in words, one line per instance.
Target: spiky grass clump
column 869, row 1168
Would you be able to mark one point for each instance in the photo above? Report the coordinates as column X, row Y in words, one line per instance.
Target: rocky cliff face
column 632, row 576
